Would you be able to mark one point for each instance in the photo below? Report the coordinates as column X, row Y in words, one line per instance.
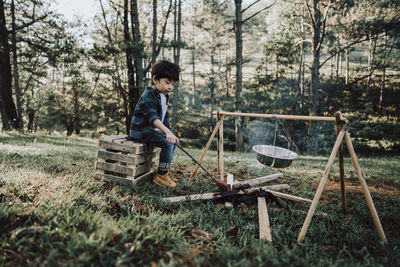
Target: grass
column 47, row 182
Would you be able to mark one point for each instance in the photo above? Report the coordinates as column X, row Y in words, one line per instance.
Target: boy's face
column 164, row 85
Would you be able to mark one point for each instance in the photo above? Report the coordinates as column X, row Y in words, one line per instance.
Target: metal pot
column 274, row 156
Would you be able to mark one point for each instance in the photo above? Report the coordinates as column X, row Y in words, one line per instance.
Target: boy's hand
column 171, row 138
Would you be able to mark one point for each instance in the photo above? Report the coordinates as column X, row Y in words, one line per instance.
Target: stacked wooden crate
column 121, row 160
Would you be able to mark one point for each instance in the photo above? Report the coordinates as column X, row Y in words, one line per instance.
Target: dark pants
column 167, row 149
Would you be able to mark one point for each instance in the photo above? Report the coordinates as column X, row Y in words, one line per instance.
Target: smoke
column 261, row 132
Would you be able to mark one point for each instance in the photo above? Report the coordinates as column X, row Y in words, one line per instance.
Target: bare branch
column 255, row 14
column 30, row 23
column 324, row 26
column 247, row 8
column 310, row 13
column 334, row 53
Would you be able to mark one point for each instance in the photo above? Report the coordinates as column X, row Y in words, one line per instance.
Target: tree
column 8, row 110
column 238, row 25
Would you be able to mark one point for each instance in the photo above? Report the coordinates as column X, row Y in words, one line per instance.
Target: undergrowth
column 70, row 218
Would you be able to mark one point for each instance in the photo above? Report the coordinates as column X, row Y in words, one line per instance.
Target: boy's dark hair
column 165, row 69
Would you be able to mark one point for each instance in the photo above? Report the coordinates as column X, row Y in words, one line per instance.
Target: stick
column 263, row 220
column 215, row 195
column 287, row 196
column 205, row 149
column 366, row 192
column 277, row 116
column 321, row 186
column 260, row 180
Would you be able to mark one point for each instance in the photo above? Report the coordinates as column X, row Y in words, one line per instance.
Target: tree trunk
column 316, row 46
column 76, row 109
column 193, row 50
column 177, row 55
column 300, row 76
column 239, row 63
column 8, row 110
column 347, row 65
column 129, row 65
column 212, row 87
column 154, row 44
column 385, row 56
column 19, row 123
column 138, row 57
column 371, row 58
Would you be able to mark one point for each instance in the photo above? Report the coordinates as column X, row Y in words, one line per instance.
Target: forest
column 84, row 77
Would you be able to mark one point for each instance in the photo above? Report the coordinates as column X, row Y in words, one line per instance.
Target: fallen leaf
column 201, row 234
column 232, row 232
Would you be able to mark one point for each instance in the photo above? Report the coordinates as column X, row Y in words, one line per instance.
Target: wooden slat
column 136, row 148
column 112, row 167
column 118, row 179
column 111, row 138
column 131, row 171
column 263, row 220
column 132, row 159
column 140, row 169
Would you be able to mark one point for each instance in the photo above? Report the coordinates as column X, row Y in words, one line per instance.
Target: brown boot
column 164, row 180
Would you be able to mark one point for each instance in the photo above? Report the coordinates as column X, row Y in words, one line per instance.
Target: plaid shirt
column 146, row 111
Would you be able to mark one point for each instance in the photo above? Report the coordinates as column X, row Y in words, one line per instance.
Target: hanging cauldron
column 274, row 156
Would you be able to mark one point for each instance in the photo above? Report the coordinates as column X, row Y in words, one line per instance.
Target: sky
column 83, row 8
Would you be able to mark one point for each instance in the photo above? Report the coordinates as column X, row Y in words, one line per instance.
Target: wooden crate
column 121, row 160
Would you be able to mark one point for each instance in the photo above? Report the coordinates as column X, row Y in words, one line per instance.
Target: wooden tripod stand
column 341, row 132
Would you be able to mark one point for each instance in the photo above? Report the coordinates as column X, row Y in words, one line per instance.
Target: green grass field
column 47, row 186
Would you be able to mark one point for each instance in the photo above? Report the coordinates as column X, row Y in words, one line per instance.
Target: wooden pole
column 278, row 116
column 263, row 220
column 364, row 187
column 206, row 148
column 220, row 148
column 339, row 125
column 321, row 185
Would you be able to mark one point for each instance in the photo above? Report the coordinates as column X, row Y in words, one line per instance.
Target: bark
column 19, row 123
column 8, row 111
column 239, row 63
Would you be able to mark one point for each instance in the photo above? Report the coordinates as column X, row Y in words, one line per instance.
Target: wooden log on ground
column 263, row 220
column 288, row 196
column 215, row 195
column 260, row 180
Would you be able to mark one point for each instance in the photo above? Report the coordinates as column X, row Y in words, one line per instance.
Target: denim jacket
column 147, row 109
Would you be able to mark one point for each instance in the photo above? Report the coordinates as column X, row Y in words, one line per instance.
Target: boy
column 151, row 114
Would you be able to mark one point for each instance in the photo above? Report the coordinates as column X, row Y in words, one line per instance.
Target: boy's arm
column 171, row 138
